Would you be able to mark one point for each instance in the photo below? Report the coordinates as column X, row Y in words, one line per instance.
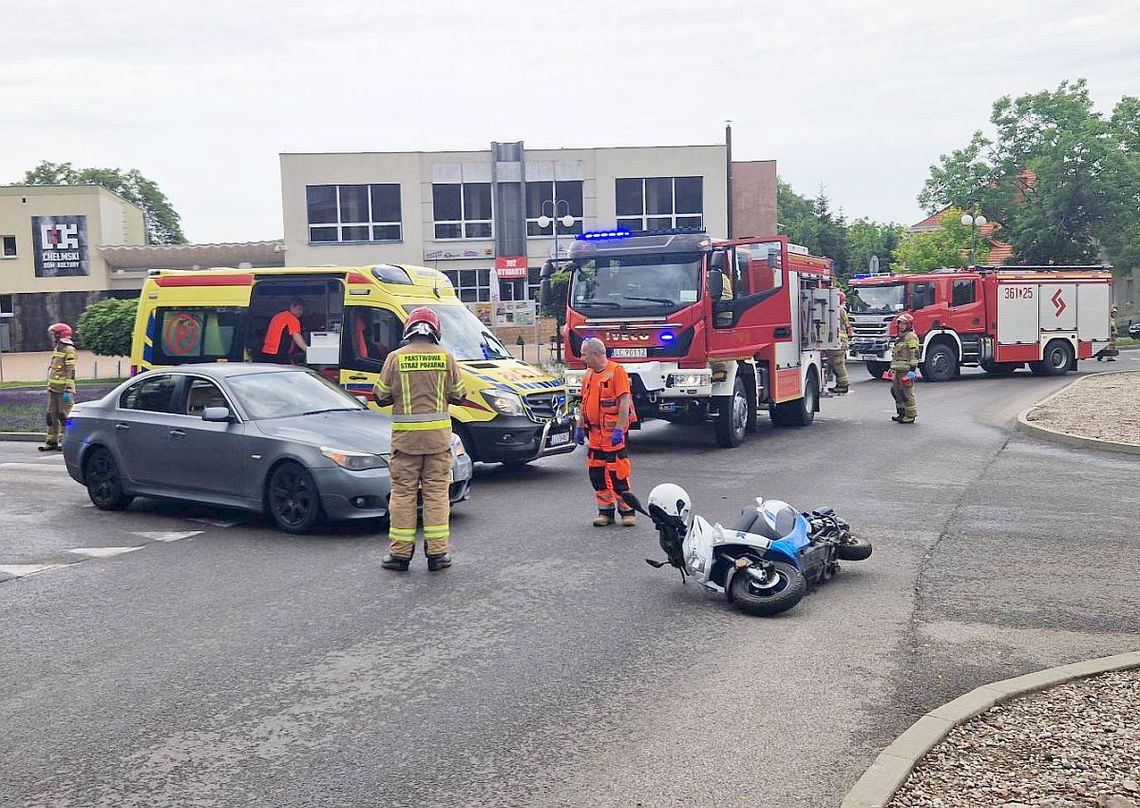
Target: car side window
column 963, row 293
column 203, row 393
column 372, row 333
column 151, row 394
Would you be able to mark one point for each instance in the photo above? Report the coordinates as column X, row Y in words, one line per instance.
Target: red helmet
column 1112, row 310
column 423, row 322
column 905, row 319
column 842, row 298
column 61, row 330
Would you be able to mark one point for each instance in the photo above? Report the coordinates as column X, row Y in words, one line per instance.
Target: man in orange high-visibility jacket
column 283, row 338
column 607, row 410
column 419, row 380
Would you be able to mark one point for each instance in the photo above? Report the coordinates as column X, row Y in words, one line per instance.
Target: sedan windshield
column 288, row 393
column 884, row 299
column 466, row 337
column 616, row 282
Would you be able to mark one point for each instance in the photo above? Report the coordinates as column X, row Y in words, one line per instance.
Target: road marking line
column 166, row 535
column 103, row 552
column 52, row 467
column 24, row 570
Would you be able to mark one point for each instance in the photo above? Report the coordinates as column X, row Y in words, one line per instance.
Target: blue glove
column 580, row 436
column 617, row 437
column 911, row 375
column 68, row 398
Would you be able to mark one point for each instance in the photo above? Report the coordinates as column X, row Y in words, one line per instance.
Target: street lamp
column 544, row 222
column 973, row 220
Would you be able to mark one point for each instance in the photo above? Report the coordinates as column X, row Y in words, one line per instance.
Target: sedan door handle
column 177, row 433
column 122, row 426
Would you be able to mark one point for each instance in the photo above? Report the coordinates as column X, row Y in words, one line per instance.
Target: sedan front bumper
column 348, row 495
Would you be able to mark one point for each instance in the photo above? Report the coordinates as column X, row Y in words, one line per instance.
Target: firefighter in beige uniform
column 838, row 359
column 904, row 362
column 419, row 380
column 61, row 384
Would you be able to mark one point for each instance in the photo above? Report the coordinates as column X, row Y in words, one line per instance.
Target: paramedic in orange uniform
column 607, row 410
column 283, row 337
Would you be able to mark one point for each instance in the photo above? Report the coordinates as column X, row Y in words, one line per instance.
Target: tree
column 107, row 327
column 948, row 246
column 163, row 224
column 866, row 238
column 1060, row 180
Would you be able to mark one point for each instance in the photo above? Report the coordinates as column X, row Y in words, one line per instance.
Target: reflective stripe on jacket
column 61, row 371
column 419, row 380
column 905, row 352
column 601, row 403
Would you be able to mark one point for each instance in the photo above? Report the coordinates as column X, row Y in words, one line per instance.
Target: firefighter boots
column 438, row 562
column 391, row 562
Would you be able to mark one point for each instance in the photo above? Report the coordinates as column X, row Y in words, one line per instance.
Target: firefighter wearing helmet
column 1110, row 353
column 904, row 362
column 838, row 359
column 61, row 384
column 419, row 380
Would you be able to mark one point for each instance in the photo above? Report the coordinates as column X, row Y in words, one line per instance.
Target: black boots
column 438, row 562
column 390, row 562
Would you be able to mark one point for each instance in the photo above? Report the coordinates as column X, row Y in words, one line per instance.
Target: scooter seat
column 752, row 521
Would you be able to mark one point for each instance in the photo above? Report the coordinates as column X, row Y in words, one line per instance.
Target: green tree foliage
column 163, row 224
column 948, row 246
column 106, row 327
column 1060, row 180
column 811, row 223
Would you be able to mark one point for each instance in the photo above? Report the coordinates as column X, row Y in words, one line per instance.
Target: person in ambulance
column 283, row 338
column 604, row 419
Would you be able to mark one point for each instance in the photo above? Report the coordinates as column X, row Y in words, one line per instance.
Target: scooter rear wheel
column 854, row 549
column 785, row 589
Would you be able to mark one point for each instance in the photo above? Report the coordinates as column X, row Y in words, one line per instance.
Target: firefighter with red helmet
column 838, row 359
column 904, row 362
column 419, row 380
column 61, row 384
column 604, row 418
column 1110, row 353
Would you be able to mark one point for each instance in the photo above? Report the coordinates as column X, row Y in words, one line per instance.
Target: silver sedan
column 267, row 438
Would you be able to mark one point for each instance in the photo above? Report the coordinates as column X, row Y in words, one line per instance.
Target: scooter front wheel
column 854, row 549
column 780, row 587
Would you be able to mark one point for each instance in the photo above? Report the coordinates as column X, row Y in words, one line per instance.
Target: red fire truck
column 709, row 330
column 1000, row 318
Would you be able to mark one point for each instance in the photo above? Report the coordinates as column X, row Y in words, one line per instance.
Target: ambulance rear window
column 184, row 335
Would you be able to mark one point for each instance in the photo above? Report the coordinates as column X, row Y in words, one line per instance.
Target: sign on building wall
column 60, row 246
column 458, row 253
column 511, row 267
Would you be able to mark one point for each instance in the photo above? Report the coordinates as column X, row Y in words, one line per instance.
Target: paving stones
column 1076, row 745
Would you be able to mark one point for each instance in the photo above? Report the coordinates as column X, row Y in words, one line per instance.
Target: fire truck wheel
column 877, row 369
column 941, row 363
column 800, row 411
column 732, row 416
column 1058, row 359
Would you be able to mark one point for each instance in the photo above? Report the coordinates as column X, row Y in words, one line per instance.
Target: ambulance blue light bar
column 600, row 235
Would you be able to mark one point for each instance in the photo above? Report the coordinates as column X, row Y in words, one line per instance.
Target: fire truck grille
column 870, row 329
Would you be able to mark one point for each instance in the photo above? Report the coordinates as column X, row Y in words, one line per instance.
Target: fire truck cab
column 999, row 318
column 709, row 330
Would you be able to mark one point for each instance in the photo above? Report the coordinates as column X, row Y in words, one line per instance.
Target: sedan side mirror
column 220, row 415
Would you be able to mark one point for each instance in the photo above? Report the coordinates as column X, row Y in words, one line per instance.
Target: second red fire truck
column 998, row 318
column 709, row 330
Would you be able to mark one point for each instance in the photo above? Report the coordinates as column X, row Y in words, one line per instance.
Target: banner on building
column 59, row 244
column 514, row 312
column 511, row 267
column 458, row 253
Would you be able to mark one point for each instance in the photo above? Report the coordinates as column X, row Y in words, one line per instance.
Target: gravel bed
column 1106, row 407
column 1072, row 746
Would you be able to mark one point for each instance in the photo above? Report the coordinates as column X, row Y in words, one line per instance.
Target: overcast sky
column 202, row 96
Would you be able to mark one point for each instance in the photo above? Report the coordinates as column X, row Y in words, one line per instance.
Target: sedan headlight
column 354, row 461
column 457, row 447
column 504, row 403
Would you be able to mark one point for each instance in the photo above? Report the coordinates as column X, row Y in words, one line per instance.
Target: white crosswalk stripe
column 103, row 552
column 24, row 570
column 166, row 535
column 50, row 468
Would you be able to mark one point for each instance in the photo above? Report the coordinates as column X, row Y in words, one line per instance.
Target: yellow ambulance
column 353, row 316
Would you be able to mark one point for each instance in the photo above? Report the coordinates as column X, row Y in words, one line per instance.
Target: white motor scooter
column 764, row 564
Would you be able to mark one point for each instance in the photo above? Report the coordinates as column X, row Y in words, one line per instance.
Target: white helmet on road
column 672, row 500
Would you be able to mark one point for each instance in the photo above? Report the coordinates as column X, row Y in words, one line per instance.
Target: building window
column 539, row 198
column 7, row 306
column 7, row 246
column 655, row 203
column 472, row 285
column 461, row 210
column 353, row 212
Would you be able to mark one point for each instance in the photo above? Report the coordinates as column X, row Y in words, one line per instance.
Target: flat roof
column 61, row 190
column 526, row 148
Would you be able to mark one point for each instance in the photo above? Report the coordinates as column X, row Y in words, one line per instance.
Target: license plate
column 559, row 438
column 630, row 353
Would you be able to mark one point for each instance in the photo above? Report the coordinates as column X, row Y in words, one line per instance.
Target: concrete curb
column 1024, row 425
column 24, row 437
column 895, row 763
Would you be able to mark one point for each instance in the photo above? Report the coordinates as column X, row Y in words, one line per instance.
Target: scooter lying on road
column 763, row 564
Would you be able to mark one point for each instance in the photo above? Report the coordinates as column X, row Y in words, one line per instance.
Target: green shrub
column 105, row 328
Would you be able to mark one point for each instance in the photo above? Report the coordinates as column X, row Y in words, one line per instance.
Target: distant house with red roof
column 1000, row 251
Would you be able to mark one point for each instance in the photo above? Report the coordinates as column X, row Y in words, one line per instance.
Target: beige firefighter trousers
column 415, row 475
column 57, row 413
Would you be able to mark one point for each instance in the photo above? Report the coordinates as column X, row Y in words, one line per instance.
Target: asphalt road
column 224, row 664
